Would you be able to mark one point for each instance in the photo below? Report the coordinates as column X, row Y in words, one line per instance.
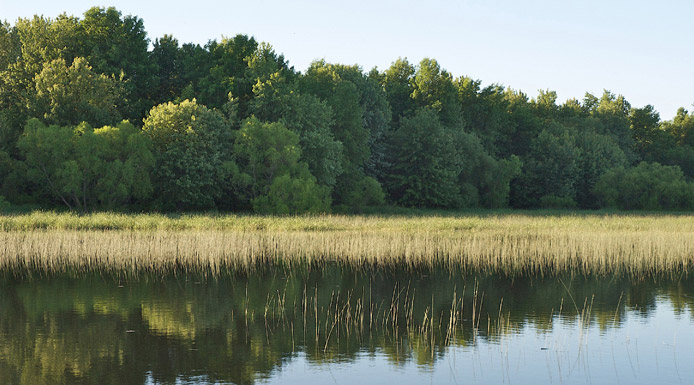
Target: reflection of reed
column 243, row 325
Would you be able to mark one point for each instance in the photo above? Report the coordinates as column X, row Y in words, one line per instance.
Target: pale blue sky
column 641, row 49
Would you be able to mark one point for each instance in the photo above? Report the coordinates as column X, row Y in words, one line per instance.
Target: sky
column 639, row 49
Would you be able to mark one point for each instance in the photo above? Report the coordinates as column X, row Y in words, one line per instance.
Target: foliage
column 4, row 205
column 426, row 163
column 88, row 168
column 550, row 168
column 484, row 180
column 234, row 124
column 555, row 202
column 293, row 195
column 366, row 192
column 188, row 141
column 116, row 46
column 70, row 95
column 269, row 157
column 648, row 186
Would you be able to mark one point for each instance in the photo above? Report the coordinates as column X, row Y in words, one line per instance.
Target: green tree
column 276, row 99
column 522, row 128
column 551, row 168
column 426, row 163
column 225, row 73
column 598, row 153
column 189, row 142
column 87, row 168
column 648, row 186
column 30, row 44
column 433, row 88
column 167, row 58
column 268, row 154
column 613, row 112
column 484, row 112
column 117, row 46
column 332, row 83
column 312, row 119
column 484, row 181
column 265, row 151
column 681, row 127
column 645, row 128
column 70, row 95
column 398, row 84
column 293, row 195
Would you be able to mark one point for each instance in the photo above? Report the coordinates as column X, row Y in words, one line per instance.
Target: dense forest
column 96, row 116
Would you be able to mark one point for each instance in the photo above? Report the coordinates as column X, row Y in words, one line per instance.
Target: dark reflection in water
column 245, row 329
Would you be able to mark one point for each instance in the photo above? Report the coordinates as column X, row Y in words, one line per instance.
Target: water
column 337, row 325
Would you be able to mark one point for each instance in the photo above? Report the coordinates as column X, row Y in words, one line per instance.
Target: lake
column 337, row 324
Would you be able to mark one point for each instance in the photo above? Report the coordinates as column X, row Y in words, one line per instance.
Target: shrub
column 648, row 186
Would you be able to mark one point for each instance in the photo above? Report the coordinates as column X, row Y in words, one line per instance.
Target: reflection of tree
column 239, row 328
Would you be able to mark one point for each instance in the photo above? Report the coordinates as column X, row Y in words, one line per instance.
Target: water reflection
column 262, row 327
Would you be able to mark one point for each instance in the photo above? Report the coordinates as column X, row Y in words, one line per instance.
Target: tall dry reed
column 512, row 244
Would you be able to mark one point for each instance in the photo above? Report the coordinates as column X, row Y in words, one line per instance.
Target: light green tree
column 189, row 142
column 70, row 95
column 268, row 155
column 86, row 168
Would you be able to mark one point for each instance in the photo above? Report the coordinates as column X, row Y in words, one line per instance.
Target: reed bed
column 639, row 245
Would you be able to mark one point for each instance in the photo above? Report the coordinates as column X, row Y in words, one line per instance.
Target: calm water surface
column 337, row 325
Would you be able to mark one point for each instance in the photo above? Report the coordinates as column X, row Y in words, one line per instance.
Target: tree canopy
column 95, row 114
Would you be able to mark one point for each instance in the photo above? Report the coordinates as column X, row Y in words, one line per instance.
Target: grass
column 496, row 242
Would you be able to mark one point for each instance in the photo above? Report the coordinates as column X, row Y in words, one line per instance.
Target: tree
column 484, row 180
column 681, row 127
column 188, row 141
column 88, row 168
column 70, row 95
column 613, row 112
column 522, row 128
column 312, row 119
column 268, row 154
column 426, row 163
column 293, row 195
column 433, row 88
column 645, row 128
column 117, row 46
column 397, row 82
column 332, row 83
column 26, row 48
column 265, row 151
column 484, row 112
column 648, row 186
column 225, row 73
column 597, row 154
column 276, row 99
column 551, row 168
column 166, row 56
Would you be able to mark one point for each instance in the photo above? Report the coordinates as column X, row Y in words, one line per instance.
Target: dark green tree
column 117, row 46
column 648, row 186
column 168, row 81
column 426, row 163
column 550, row 169
column 398, row 84
column 484, row 112
column 433, row 88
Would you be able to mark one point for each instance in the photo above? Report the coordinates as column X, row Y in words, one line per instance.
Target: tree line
column 93, row 116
